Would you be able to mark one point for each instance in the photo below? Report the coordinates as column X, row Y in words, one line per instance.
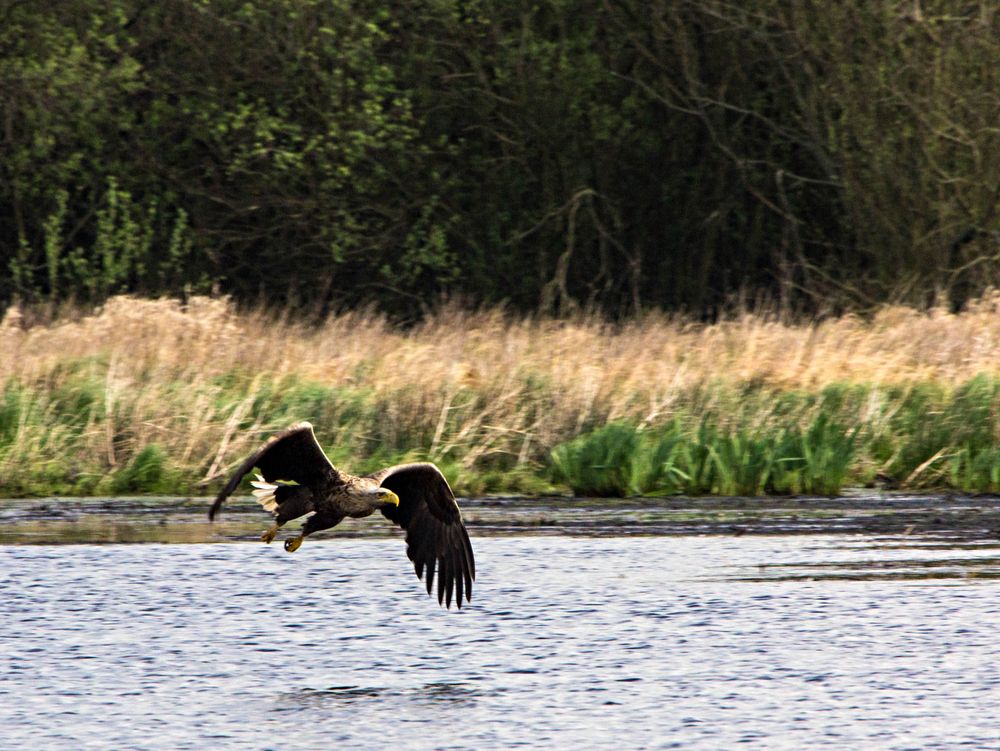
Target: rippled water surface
column 570, row 642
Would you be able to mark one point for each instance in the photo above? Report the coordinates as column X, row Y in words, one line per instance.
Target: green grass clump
column 923, row 436
column 816, row 460
column 604, row 463
column 147, row 472
column 936, row 438
column 620, row 459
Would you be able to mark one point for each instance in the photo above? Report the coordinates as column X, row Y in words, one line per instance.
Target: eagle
column 296, row 478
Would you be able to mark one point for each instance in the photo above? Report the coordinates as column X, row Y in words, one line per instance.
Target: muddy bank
column 135, row 520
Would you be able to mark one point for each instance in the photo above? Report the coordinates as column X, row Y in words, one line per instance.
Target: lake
column 600, row 639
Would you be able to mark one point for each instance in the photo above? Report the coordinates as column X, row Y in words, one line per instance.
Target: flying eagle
column 297, row 478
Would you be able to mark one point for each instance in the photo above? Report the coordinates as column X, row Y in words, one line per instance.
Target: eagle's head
column 385, row 497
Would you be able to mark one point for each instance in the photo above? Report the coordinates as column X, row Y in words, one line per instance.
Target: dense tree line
column 551, row 155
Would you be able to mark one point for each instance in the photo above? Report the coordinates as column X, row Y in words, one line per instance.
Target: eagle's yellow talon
column 293, row 544
column 269, row 534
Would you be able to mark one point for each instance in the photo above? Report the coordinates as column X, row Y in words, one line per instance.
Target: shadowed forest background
column 613, row 248
column 549, row 156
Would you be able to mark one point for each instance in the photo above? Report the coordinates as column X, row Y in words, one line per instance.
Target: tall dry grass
column 84, row 396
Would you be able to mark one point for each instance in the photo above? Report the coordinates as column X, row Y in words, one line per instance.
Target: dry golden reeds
column 204, row 381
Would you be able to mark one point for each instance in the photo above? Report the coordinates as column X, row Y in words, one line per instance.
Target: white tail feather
column 265, row 493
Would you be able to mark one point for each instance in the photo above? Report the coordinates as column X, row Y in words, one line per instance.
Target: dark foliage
column 550, row 155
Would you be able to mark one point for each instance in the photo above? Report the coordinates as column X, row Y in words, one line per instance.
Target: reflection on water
column 571, row 642
column 442, row 694
column 893, row 560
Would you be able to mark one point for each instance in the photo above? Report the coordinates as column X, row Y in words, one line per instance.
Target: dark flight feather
column 435, row 535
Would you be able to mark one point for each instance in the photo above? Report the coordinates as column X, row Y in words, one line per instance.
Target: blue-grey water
column 694, row 642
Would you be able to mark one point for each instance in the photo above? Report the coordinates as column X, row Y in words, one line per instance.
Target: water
column 695, row 642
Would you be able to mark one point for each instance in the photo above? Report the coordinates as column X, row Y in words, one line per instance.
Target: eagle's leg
column 316, row 523
column 271, row 532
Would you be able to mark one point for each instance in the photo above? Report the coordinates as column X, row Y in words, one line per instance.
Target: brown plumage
column 414, row 496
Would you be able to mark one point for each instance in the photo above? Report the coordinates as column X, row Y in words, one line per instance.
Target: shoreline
column 917, row 517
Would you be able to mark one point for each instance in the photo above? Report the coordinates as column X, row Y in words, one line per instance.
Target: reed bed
column 158, row 396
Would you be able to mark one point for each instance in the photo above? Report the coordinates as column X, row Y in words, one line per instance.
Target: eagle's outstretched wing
column 435, row 535
column 293, row 454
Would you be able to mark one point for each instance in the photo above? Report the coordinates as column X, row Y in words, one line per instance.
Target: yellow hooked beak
column 391, row 498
